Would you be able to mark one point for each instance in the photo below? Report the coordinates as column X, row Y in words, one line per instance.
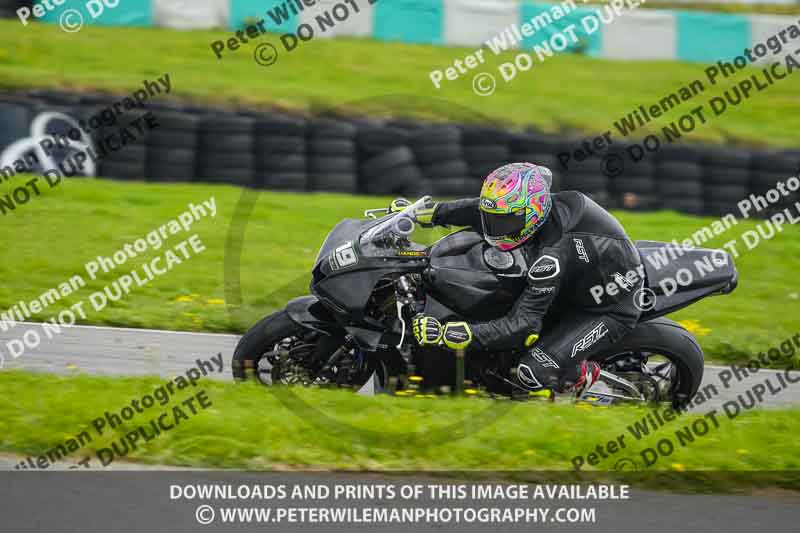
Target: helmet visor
column 503, row 224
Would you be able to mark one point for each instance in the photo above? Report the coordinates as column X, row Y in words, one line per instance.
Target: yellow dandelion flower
column 678, row 466
column 184, row 299
column 694, row 327
column 215, row 301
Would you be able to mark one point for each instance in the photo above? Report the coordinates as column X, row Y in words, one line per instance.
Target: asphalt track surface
column 142, row 502
column 139, row 352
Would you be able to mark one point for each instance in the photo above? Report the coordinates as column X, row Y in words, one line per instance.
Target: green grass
column 53, row 236
column 248, row 427
column 566, row 93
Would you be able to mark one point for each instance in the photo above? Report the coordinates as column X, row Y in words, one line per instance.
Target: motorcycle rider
column 572, row 244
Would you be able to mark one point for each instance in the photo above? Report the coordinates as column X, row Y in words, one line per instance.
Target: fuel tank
column 472, row 278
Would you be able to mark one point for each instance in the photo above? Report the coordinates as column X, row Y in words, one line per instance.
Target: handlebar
column 396, row 226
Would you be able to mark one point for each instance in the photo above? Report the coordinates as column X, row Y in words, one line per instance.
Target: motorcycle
column 370, row 279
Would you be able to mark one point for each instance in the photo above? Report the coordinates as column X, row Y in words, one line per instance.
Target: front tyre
column 261, row 339
column 279, row 351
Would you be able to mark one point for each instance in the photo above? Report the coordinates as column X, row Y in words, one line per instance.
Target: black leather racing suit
column 580, row 247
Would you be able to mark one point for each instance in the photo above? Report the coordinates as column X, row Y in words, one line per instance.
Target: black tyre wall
column 402, row 157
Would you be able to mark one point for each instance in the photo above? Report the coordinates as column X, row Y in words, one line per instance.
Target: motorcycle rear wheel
column 663, row 338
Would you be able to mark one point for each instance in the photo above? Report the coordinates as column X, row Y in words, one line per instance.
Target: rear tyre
column 666, row 338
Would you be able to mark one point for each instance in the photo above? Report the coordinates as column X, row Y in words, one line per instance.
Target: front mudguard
column 308, row 311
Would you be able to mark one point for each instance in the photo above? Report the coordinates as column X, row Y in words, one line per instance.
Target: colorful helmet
column 515, row 202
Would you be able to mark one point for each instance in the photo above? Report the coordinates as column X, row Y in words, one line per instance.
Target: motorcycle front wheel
column 278, row 351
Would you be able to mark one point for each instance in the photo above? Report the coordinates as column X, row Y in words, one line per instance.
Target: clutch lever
column 371, row 213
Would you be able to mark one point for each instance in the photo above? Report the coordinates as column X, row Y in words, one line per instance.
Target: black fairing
column 309, row 312
column 460, row 278
column 347, row 230
column 705, row 272
column 347, row 289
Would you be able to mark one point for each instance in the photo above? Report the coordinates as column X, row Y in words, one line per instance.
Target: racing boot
column 587, row 376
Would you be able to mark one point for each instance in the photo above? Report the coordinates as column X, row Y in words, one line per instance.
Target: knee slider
column 527, row 378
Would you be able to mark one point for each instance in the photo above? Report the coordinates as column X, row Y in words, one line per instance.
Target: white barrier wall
column 639, row 34
column 625, row 38
column 191, row 14
column 467, row 22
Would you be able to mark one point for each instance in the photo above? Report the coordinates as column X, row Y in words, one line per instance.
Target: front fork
column 405, row 296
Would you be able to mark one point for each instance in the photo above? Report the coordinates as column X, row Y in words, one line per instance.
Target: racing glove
column 424, row 216
column 398, row 204
column 457, row 335
column 429, row 331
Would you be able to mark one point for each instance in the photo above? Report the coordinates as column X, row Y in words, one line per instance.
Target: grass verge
column 248, row 427
column 54, row 235
column 559, row 94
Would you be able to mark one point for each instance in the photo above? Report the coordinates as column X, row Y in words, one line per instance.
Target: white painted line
column 199, row 333
column 776, row 370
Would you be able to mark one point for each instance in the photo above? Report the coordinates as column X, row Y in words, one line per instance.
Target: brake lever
column 402, row 325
